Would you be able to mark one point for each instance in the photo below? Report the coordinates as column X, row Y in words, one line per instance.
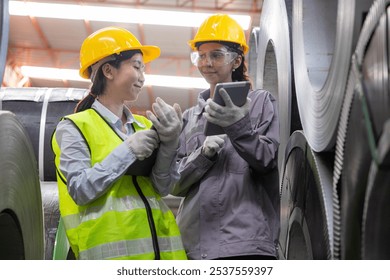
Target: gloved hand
column 143, row 143
column 213, row 144
column 167, row 120
column 225, row 115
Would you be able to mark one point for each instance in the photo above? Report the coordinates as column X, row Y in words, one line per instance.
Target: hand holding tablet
column 238, row 92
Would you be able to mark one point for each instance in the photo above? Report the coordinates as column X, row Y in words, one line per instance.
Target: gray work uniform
column 227, row 209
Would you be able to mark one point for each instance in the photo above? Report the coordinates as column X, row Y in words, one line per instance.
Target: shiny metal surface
column 274, row 64
column 306, row 202
column 375, row 226
column 352, row 151
column 324, row 35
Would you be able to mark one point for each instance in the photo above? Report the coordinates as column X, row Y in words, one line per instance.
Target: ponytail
column 85, row 103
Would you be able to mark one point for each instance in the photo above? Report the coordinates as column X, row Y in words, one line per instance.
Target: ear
column 237, row 62
column 107, row 71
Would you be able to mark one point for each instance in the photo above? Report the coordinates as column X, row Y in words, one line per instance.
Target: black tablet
column 238, row 92
column 142, row 167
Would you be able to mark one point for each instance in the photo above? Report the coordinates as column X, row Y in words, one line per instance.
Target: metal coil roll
column 324, row 35
column 375, row 228
column 306, row 202
column 365, row 109
column 274, row 65
column 39, row 111
column 21, row 214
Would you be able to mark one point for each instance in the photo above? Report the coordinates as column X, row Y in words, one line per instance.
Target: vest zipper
column 149, row 213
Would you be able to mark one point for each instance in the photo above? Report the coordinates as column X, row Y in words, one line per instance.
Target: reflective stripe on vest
column 130, row 248
column 120, row 204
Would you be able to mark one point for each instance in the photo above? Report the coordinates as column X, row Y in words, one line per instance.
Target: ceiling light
column 115, row 14
column 150, row 80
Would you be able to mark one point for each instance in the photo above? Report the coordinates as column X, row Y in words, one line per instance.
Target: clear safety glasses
column 216, row 57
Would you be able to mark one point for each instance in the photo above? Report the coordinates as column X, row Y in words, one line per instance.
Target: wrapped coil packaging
column 324, row 35
column 306, row 213
column 274, row 65
column 365, row 109
column 21, row 213
column 376, row 228
column 39, row 110
column 4, row 32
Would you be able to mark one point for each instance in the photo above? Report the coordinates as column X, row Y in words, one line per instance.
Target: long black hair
column 99, row 84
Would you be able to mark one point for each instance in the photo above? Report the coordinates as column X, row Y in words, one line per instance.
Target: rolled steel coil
column 306, row 213
column 21, row 213
column 324, row 35
column 375, row 225
column 40, row 110
column 4, row 32
column 365, row 109
column 274, row 65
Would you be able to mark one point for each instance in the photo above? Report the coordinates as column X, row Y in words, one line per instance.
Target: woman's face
column 129, row 78
column 215, row 63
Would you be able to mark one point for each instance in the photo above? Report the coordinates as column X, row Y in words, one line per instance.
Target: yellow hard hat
column 108, row 41
column 220, row 27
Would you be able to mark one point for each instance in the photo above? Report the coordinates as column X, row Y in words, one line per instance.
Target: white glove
column 213, row 144
column 225, row 115
column 167, row 120
column 143, row 143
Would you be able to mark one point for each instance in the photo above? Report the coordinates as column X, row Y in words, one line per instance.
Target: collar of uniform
column 112, row 118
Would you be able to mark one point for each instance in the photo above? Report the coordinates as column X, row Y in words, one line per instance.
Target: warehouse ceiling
column 48, row 42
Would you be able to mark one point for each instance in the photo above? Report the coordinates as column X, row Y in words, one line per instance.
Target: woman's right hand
column 143, row 143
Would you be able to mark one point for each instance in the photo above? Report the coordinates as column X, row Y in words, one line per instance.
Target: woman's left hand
column 167, row 120
column 225, row 115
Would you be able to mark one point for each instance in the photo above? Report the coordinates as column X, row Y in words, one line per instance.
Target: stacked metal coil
column 39, row 110
column 274, row 68
column 331, row 58
column 366, row 109
column 21, row 213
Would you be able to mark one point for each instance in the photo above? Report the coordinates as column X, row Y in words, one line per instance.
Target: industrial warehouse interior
column 326, row 62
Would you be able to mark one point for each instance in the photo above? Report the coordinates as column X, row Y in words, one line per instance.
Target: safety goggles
column 215, row 57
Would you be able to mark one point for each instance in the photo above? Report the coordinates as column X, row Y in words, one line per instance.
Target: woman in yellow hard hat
column 228, row 211
column 110, row 208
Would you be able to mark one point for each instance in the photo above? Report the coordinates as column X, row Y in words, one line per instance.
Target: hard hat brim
column 149, row 53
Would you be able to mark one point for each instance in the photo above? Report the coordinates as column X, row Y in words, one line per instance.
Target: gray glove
column 143, row 143
column 167, row 120
column 213, row 144
column 225, row 115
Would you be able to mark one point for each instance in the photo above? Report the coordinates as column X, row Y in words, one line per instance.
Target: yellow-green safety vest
column 117, row 225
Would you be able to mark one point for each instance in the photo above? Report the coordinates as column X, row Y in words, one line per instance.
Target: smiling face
column 216, row 63
column 128, row 80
